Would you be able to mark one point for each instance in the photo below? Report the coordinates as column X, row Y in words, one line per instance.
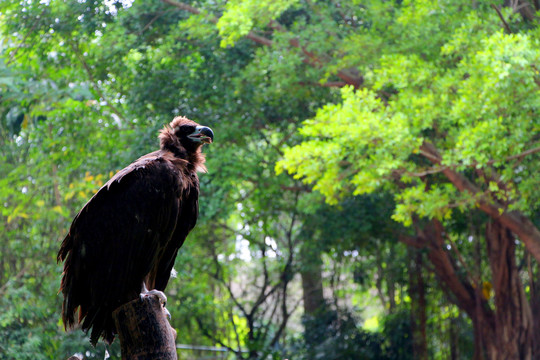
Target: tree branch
column 506, row 26
column 14, row 53
column 463, row 292
column 19, row 275
column 412, row 241
column 347, row 75
column 518, row 223
column 97, row 89
column 229, row 290
column 158, row 15
column 473, row 164
column 184, row 7
column 237, row 336
column 213, row 338
column 269, row 322
column 519, row 156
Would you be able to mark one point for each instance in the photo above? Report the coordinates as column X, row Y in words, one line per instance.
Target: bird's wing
column 115, row 240
column 187, row 218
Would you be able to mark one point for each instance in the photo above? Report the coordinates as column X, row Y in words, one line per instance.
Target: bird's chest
column 189, row 206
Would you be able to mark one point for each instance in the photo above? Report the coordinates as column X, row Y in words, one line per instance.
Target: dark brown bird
column 125, row 239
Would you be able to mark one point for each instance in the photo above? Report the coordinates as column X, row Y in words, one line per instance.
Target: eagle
column 125, row 239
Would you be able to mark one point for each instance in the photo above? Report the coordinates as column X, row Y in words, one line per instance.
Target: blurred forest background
column 373, row 189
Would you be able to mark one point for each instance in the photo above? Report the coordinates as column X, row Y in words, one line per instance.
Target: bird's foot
column 159, row 294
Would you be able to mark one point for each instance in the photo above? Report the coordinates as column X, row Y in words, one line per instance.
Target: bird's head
column 184, row 133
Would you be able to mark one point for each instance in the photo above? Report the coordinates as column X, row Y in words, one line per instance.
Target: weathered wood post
column 144, row 331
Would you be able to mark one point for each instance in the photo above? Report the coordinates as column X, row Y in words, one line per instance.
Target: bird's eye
column 182, row 130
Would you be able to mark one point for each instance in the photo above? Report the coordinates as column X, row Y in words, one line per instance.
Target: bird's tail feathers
column 71, row 300
column 102, row 325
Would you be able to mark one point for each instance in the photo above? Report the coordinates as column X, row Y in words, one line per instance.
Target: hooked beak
column 202, row 134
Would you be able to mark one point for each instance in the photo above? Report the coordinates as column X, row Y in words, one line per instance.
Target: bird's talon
column 161, row 296
column 167, row 313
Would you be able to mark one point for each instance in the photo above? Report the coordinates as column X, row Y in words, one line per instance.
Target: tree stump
column 144, row 331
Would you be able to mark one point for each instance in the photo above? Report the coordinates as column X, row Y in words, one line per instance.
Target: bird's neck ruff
column 170, row 142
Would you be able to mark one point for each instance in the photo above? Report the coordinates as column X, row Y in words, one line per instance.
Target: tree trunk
column 144, row 331
column 314, row 303
column 458, row 287
column 535, row 305
column 453, row 337
column 507, row 331
column 513, row 316
column 535, row 309
column 312, row 286
column 525, row 8
column 418, row 305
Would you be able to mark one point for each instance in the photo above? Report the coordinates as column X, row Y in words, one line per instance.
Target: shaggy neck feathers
column 170, row 142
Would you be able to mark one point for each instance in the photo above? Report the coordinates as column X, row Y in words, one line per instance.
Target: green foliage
column 396, row 332
column 349, row 135
column 334, row 335
column 240, row 17
column 85, row 86
column 375, row 134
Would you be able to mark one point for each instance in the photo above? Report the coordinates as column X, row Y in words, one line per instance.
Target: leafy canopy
column 476, row 101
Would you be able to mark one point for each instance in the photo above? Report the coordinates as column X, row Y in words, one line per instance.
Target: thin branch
column 215, row 339
column 470, row 276
column 266, row 326
column 443, row 266
column 265, row 267
column 251, row 35
column 269, row 143
column 286, row 279
column 532, row 284
column 183, row 6
column 277, row 335
column 285, row 315
column 506, row 26
column 18, row 276
column 347, row 75
column 100, row 93
column 426, row 172
column 518, row 156
column 229, row 290
column 426, row 153
column 262, row 298
column 160, row 14
column 12, row 55
column 514, row 220
column 411, row 241
column 259, row 39
column 237, row 336
column 338, row 84
column 436, row 158
column 262, row 295
column 439, row 169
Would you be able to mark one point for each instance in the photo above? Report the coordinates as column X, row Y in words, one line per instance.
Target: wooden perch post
column 144, row 331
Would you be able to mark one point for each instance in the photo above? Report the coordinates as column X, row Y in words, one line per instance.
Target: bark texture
column 505, row 331
column 513, row 316
column 515, row 221
column 417, row 293
column 312, row 291
column 144, row 331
